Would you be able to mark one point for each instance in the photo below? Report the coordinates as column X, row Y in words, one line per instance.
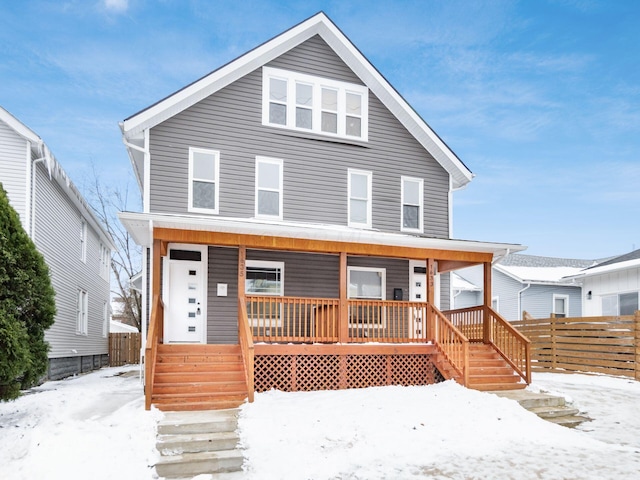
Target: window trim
column 216, row 181
column 105, row 319
column 369, row 199
column 265, row 264
column 105, row 261
column 317, row 83
column 557, row 296
column 82, row 312
column 280, row 190
column 381, row 270
column 420, row 182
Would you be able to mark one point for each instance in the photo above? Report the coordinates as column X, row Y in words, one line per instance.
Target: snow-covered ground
column 95, row 427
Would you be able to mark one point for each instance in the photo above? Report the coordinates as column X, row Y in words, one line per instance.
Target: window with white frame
column 304, row 102
column 82, row 306
column 105, row 319
column 560, row 305
column 495, row 304
column 620, row 304
column 367, row 283
column 269, row 187
column 204, row 184
column 105, row 261
column 83, row 241
column 412, row 201
column 264, row 278
column 359, row 208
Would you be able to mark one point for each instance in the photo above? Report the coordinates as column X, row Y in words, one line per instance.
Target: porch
column 311, row 341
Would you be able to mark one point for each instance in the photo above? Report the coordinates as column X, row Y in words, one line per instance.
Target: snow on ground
column 92, row 426
column 95, row 427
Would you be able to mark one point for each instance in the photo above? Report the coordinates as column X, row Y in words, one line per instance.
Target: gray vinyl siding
column 57, row 237
column 13, row 170
column 445, row 291
column 538, row 300
column 506, row 289
column 467, row 299
column 315, row 167
column 222, row 312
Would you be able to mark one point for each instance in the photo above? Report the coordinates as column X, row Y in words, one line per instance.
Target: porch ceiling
column 453, row 254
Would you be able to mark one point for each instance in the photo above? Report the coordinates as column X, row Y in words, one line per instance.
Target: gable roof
column 133, row 127
column 622, row 262
column 540, row 270
column 40, row 150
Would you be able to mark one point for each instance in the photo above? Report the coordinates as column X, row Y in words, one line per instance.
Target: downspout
column 520, row 299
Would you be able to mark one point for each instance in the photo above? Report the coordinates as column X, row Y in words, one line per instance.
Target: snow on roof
column 459, row 283
column 539, row 274
column 119, row 327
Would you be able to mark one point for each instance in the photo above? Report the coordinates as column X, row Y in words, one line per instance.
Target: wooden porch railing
column 245, row 339
column 511, row 344
column 468, row 321
column 453, row 343
column 514, row 347
column 154, row 336
column 387, row 322
column 317, row 320
column 292, row 319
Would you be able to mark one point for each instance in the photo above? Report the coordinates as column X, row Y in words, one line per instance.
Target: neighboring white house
column 74, row 244
column 528, row 283
column 611, row 287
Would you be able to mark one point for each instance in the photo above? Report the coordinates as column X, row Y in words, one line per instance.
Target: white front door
column 417, row 293
column 185, row 305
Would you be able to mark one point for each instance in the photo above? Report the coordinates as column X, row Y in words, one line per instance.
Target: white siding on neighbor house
column 621, row 281
column 13, row 170
column 57, row 236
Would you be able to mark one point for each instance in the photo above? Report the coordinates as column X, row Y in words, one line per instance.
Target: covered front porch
column 310, row 341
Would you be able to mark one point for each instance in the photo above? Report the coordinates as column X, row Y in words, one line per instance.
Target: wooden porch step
column 197, row 348
column 489, row 371
column 184, row 358
column 204, row 375
column 199, row 387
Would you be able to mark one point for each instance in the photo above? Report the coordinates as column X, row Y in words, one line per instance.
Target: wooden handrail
column 245, row 339
column 453, row 343
column 151, row 349
column 514, row 347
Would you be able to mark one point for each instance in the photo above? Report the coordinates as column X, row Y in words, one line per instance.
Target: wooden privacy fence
column 124, row 349
column 609, row 345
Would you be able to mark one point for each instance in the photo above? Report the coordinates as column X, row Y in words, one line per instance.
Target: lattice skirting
column 333, row 372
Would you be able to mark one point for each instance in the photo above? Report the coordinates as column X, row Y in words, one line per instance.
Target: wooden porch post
column 159, row 248
column 343, row 316
column 431, row 295
column 242, row 269
column 486, row 323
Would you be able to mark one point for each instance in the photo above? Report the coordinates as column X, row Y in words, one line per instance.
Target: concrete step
column 196, row 442
column 209, row 421
column 192, row 464
column 552, row 408
column 239, row 475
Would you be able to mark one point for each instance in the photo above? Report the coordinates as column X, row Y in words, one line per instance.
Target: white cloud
column 118, row 6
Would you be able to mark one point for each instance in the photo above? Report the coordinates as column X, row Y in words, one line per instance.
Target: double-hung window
column 268, row 188
column 313, row 104
column 266, row 279
column 359, row 208
column 83, row 241
column 204, row 183
column 82, row 306
column 412, row 204
column 560, row 305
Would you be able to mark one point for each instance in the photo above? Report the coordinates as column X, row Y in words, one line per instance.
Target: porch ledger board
column 316, row 246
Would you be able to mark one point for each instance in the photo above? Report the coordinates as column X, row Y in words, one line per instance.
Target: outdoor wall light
column 589, row 295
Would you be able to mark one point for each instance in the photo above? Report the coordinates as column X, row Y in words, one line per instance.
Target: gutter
column 520, row 298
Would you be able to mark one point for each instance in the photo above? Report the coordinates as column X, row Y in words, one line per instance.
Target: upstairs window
column 269, row 188
column 83, row 241
column 204, row 173
column 319, row 105
column 412, row 199
column 359, row 209
column 105, row 261
column 82, row 307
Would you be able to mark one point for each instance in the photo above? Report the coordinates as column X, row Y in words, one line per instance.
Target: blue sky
column 539, row 98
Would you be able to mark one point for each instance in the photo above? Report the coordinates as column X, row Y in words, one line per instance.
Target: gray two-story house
column 296, row 222
column 75, row 246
